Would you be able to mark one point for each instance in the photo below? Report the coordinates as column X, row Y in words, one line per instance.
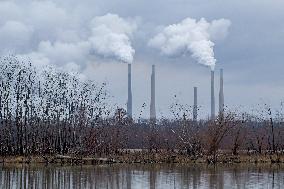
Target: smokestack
column 221, row 94
column 152, row 104
column 129, row 101
column 212, row 96
column 195, row 105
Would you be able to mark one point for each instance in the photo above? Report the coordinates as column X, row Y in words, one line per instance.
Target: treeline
column 230, row 133
column 46, row 111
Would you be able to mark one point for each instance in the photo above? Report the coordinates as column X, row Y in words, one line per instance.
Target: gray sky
column 62, row 32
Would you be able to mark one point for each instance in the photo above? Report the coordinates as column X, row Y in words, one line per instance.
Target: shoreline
column 151, row 158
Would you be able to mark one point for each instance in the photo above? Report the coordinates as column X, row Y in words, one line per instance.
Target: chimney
column 195, row 105
column 212, row 96
column 129, row 101
column 152, row 104
column 221, row 94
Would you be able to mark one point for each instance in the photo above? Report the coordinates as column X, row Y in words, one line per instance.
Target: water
column 142, row 176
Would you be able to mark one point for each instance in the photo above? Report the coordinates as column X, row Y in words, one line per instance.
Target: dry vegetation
column 50, row 116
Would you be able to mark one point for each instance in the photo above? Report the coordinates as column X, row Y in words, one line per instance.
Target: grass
column 145, row 158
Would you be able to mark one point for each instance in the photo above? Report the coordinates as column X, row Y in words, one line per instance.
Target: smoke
column 191, row 36
column 111, row 37
column 57, row 34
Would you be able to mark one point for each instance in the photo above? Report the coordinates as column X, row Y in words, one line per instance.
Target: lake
column 139, row 176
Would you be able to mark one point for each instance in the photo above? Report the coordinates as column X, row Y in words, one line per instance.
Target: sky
column 99, row 37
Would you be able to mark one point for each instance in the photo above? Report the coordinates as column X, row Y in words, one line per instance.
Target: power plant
column 153, row 97
column 221, row 94
column 129, row 101
column 195, row 104
column 212, row 96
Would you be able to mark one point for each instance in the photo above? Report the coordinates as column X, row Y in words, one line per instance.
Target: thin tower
column 221, row 94
column 129, row 101
column 212, row 96
column 152, row 104
column 195, row 105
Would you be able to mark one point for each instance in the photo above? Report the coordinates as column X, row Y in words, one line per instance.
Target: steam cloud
column 54, row 33
column 111, row 37
column 191, row 36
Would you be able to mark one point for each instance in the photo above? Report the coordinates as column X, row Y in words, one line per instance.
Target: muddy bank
column 143, row 159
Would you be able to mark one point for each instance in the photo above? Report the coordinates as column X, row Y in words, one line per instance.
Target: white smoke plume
column 191, row 36
column 54, row 33
column 111, row 37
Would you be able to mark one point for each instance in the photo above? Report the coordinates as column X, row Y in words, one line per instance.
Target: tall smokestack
column 129, row 101
column 212, row 96
column 221, row 94
column 195, row 105
column 152, row 104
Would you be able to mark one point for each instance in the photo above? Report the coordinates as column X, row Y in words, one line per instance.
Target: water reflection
column 142, row 176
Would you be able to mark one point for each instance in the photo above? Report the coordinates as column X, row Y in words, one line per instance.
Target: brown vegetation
column 57, row 114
